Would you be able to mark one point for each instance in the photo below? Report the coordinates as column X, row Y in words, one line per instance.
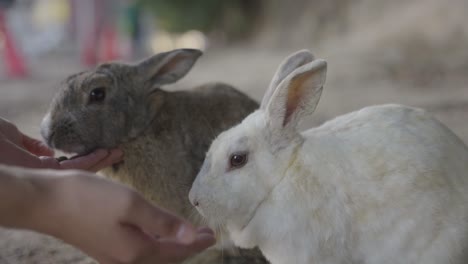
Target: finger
column 106, row 260
column 36, row 147
column 49, row 162
column 115, row 155
column 10, row 131
column 157, row 222
column 85, row 162
column 202, row 242
column 100, row 257
column 12, row 154
column 140, row 248
column 172, row 251
column 133, row 245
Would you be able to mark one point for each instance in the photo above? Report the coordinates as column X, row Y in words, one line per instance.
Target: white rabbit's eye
column 238, row 160
column 97, row 95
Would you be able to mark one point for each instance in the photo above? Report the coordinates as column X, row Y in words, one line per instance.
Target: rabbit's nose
column 194, row 201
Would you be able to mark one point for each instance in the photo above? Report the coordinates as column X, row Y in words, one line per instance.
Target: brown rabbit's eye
column 97, row 95
column 238, row 160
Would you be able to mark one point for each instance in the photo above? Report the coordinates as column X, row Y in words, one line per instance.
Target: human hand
column 113, row 223
column 19, row 149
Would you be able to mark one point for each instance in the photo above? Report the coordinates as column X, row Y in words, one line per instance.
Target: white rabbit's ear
column 168, row 67
column 291, row 63
column 295, row 97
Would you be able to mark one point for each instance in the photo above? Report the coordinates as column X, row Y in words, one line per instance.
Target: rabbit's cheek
column 65, row 138
column 67, row 142
column 46, row 132
column 200, row 211
column 208, row 203
column 196, row 197
column 205, row 209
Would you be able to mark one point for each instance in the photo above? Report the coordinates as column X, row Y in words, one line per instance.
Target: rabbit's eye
column 97, row 95
column 238, row 160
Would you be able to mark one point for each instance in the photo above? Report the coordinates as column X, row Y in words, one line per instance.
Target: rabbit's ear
column 291, row 63
column 168, row 67
column 296, row 97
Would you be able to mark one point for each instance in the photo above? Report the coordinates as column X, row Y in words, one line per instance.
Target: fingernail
column 205, row 230
column 186, row 234
column 211, row 239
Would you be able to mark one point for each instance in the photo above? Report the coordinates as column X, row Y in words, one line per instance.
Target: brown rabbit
column 164, row 135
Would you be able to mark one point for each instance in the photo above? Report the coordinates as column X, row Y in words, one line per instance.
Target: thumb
column 156, row 221
column 36, row 147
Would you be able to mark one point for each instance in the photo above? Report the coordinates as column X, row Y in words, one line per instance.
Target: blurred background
column 412, row 52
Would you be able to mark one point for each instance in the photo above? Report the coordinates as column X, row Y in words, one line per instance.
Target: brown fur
column 164, row 135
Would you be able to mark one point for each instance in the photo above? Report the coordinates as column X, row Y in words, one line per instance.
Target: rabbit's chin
column 79, row 150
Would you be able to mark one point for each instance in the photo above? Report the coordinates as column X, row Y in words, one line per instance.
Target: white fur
column 385, row 184
column 45, row 124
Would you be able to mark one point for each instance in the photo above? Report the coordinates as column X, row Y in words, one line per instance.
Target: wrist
column 48, row 209
column 18, row 197
column 33, row 199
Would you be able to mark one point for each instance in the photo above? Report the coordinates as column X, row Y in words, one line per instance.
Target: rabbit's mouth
column 72, row 145
column 66, row 144
column 77, row 149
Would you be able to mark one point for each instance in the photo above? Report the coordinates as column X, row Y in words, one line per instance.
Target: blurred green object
column 233, row 17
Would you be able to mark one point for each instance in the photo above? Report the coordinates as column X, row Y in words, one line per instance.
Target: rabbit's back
column 394, row 138
column 400, row 178
column 227, row 104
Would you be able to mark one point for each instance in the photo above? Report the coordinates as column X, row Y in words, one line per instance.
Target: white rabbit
column 386, row 184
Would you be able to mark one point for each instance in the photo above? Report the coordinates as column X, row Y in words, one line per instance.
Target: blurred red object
column 109, row 48
column 14, row 61
column 88, row 55
column 95, row 24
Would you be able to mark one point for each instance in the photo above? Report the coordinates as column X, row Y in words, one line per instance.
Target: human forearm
column 18, row 198
column 107, row 220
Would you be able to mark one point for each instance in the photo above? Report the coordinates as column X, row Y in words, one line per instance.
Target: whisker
column 222, row 244
column 195, row 216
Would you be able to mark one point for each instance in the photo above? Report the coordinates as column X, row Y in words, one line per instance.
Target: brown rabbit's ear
column 167, row 67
